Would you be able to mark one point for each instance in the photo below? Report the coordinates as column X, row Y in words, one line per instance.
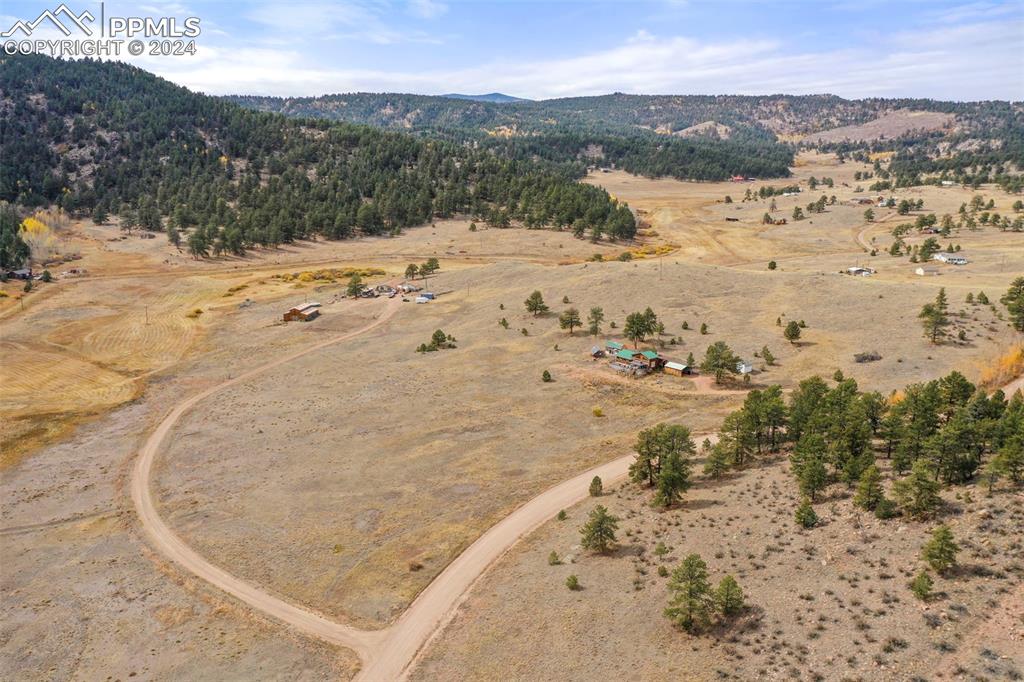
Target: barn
column 303, row 313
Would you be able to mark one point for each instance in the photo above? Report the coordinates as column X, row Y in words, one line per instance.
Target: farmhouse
column 649, row 359
column 23, row 273
column 950, row 258
column 926, row 272
column 303, row 313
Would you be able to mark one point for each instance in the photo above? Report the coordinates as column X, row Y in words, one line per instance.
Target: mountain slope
column 106, row 137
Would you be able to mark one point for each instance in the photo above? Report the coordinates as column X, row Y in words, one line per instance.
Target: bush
column 772, row 265
column 596, row 487
column 553, row 559
column 922, row 585
column 886, row 509
column 572, row 582
column 47, row 277
column 546, row 377
column 562, row 516
column 870, row 356
column 805, row 515
column 598, row 412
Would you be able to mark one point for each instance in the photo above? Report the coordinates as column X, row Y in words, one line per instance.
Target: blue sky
column 862, row 48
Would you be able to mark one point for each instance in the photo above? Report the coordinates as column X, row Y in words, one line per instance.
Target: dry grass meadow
column 346, row 480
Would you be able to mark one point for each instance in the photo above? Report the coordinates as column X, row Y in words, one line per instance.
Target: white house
column 857, row 270
column 950, row 258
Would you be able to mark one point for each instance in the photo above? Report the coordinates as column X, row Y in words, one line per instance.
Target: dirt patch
column 888, row 126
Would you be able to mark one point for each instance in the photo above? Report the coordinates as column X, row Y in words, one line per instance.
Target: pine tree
column 940, row 552
column 596, row 487
column 535, row 304
column 729, row 597
column 917, row 494
column 869, row 489
column 569, row 319
column 598, row 533
column 673, row 479
column 594, row 319
column 691, row 601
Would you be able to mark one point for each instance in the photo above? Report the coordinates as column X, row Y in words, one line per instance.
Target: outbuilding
column 862, row 272
column 303, row 313
column 926, row 272
column 950, row 258
column 677, row 368
column 744, row 367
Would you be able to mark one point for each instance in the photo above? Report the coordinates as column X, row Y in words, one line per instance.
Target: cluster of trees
column 438, row 341
column 941, row 432
column 162, row 157
column 429, row 267
column 13, row 249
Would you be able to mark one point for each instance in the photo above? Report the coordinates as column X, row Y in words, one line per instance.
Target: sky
column 540, row 50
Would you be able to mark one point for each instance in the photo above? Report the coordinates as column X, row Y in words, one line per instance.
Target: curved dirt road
column 386, row 654
column 172, row 547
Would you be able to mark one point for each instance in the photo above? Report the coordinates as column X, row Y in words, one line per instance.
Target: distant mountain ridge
column 493, row 97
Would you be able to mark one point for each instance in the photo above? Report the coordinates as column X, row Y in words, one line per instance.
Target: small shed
column 676, row 368
column 596, row 352
column 860, row 271
column 303, row 313
column 926, row 272
column 744, row 367
column 21, row 273
column 613, row 346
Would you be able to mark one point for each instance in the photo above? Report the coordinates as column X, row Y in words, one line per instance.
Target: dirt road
column 388, row 653
column 172, row 547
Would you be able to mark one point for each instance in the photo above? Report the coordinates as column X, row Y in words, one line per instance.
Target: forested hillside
column 624, row 130
column 105, row 137
column 702, row 137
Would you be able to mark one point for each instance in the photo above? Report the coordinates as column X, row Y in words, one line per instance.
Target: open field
column 346, row 479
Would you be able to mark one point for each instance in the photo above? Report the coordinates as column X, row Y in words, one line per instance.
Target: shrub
column 869, row 356
column 886, row 509
column 598, row 412
column 562, row 516
column 553, row 559
column 572, row 582
column 805, row 515
column 922, row 585
column 772, row 265
column 596, row 487
column 546, row 377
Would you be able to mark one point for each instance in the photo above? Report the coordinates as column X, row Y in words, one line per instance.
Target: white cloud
column 941, row 59
column 427, row 9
